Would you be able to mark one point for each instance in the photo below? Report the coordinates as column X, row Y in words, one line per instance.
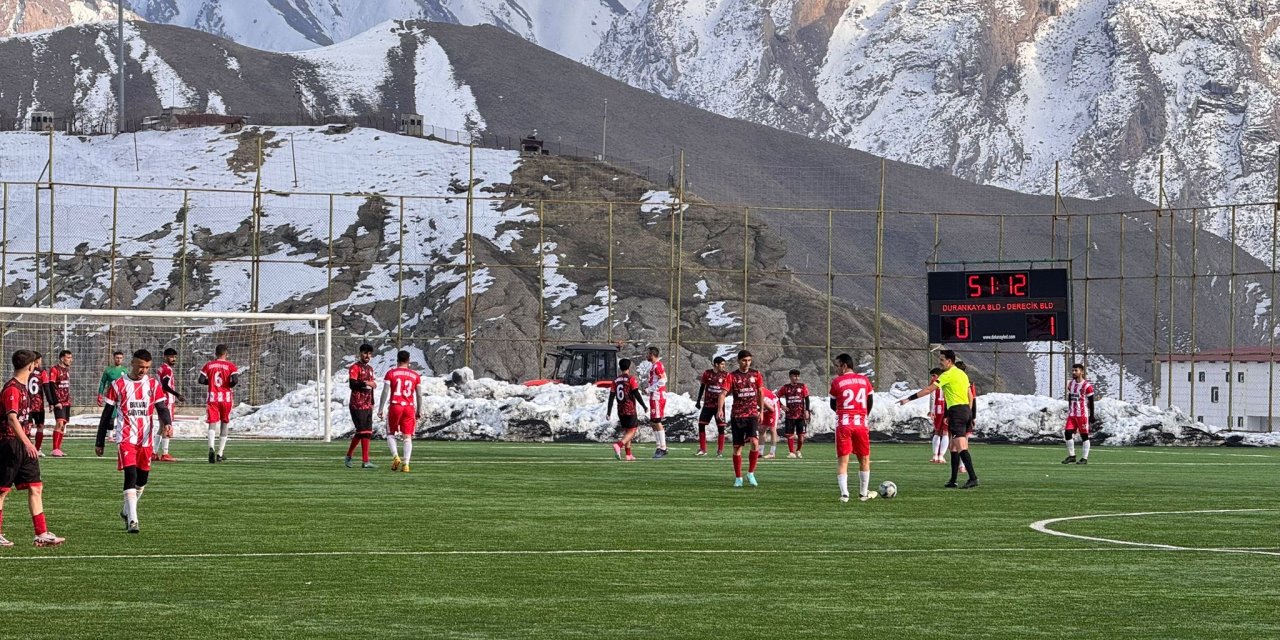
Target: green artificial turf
column 561, row 541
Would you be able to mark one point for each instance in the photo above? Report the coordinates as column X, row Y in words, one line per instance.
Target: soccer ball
column 888, row 489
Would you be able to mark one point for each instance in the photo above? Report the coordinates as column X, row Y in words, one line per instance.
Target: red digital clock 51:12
column 996, row 285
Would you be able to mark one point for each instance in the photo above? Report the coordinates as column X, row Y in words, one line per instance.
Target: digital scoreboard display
column 1028, row 305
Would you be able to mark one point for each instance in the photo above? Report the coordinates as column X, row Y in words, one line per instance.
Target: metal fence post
column 115, row 225
column 879, row 275
column 542, row 285
column 608, row 285
column 1231, row 331
column 1121, row 357
column 4, row 247
column 400, row 283
column 830, row 290
column 329, row 263
column 675, row 355
column 746, row 260
column 1195, row 227
column 471, row 181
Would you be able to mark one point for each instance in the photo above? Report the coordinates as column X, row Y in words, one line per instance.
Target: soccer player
column 221, row 376
column 1080, row 415
column 657, row 390
column 956, row 391
column 19, row 464
column 747, row 387
column 130, row 404
column 169, row 382
column 57, row 390
column 35, row 386
column 851, row 399
column 938, row 412
column 111, row 374
column 709, row 388
column 406, row 403
column 626, row 392
column 795, row 396
column 361, row 380
column 769, row 420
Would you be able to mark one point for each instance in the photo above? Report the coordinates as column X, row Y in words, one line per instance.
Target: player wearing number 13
column 402, row 419
column 130, row 403
column 221, row 375
column 851, row 399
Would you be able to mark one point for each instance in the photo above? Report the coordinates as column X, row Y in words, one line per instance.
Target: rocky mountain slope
column 483, row 78
column 995, row 91
column 571, row 27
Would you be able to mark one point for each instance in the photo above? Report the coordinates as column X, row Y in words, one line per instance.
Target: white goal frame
column 324, row 372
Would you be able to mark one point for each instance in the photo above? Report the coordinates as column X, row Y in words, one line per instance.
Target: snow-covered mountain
column 994, row 91
column 570, row 27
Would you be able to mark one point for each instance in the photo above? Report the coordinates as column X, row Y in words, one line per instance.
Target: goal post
column 283, row 356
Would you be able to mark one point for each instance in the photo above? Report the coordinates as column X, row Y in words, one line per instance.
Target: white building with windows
column 1224, row 388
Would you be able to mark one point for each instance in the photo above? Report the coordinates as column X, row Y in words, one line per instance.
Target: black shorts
column 794, row 426
column 708, row 414
column 37, row 418
column 17, row 469
column 363, row 419
column 626, row 423
column 62, row 413
column 743, row 429
column 958, row 420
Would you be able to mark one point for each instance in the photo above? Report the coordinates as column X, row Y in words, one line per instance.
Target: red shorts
column 853, row 440
column 218, row 412
column 657, row 406
column 402, row 419
column 132, row 455
column 1079, row 424
column 940, row 426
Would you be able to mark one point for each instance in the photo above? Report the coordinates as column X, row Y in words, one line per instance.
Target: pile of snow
column 462, row 407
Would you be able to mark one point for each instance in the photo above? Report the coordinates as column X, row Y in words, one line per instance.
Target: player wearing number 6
column 221, row 375
column 851, row 400
column 406, row 402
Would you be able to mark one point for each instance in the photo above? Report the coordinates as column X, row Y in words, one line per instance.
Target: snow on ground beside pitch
column 487, row 409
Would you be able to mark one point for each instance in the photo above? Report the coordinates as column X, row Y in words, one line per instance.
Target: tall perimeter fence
column 1172, row 306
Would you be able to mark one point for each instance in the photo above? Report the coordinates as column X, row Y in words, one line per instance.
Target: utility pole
column 120, row 64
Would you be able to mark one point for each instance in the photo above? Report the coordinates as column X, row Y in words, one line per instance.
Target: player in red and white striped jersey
column 1080, row 415
column 769, row 420
column 131, row 403
column 406, row 403
column 221, row 375
column 656, row 387
column 938, row 413
column 168, row 382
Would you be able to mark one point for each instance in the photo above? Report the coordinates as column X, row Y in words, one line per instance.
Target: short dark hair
column 654, row 351
column 936, row 371
column 142, row 354
column 624, row 364
column 22, row 358
column 793, row 372
column 744, row 354
column 961, row 365
column 64, row 352
column 220, row 350
column 718, row 360
column 117, row 353
column 948, row 354
column 170, row 352
column 1078, row 366
column 366, row 348
column 845, row 359
column 402, row 357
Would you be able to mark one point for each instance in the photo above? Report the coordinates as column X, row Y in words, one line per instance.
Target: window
column 1228, row 376
column 1188, row 376
column 1200, row 419
column 1201, row 377
column 1240, row 377
column 1213, row 394
column 1240, row 422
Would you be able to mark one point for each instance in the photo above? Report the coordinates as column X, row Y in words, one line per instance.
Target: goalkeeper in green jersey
column 112, row 373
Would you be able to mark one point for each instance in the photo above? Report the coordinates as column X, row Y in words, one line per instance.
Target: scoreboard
column 999, row 306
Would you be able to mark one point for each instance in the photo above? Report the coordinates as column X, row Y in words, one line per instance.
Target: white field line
column 580, row 552
column 1043, row 527
column 665, row 461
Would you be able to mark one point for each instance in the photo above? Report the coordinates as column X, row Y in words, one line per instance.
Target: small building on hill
column 186, row 118
column 1228, row 388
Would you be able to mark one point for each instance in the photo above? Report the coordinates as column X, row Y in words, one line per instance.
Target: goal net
column 283, row 359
